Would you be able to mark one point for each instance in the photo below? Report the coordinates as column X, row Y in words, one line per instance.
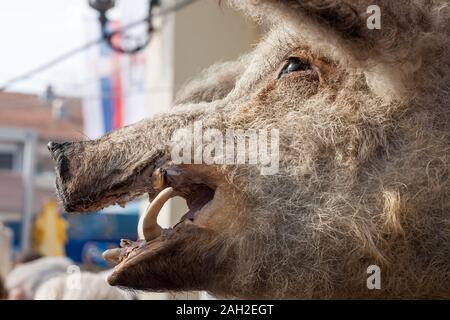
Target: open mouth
column 167, row 182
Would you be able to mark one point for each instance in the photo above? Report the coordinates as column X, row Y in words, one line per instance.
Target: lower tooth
column 112, row 255
column 125, row 243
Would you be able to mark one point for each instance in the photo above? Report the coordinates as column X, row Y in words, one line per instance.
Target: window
column 11, row 155
column 6, row 161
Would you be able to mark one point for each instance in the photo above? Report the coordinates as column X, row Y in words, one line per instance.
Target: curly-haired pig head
column 362, row 119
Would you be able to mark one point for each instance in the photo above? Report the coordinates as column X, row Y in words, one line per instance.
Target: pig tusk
column 148, row 227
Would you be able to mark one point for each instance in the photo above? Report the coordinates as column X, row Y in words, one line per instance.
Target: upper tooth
column 148, row 227
column 158, row 179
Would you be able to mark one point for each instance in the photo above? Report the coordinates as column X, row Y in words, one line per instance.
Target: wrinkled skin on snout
column 363, row 175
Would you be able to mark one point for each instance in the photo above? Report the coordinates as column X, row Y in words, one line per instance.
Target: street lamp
column 102, row 6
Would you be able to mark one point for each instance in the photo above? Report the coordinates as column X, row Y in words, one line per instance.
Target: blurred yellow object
column 49, row 231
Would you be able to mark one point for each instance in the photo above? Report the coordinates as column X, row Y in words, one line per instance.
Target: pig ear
column 343, row 17
column 339, row 16
column 350, row 24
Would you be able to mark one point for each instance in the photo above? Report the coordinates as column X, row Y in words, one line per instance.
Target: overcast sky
column 33, row 32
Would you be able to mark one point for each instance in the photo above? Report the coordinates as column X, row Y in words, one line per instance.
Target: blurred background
column 74, row 70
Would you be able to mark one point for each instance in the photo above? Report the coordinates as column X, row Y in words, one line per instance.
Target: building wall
column 207, row 33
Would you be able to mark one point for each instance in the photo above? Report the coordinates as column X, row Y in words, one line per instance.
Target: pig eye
column 293, row 64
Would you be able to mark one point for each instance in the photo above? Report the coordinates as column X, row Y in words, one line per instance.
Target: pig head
column 359, row 117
